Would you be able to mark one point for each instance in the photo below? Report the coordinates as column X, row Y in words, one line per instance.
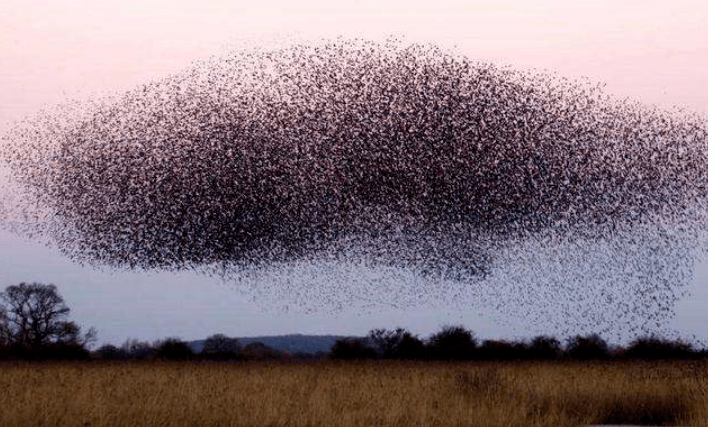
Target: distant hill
column 292, row 343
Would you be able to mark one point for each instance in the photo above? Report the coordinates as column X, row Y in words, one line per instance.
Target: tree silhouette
column 453, row 343
column 544, row 347
column 35, row 315
column 352, row 349
column 220, row 347
column 173, row 349
column 111, row 352
column 396, row 344
column 652, row 348
column 587, row 347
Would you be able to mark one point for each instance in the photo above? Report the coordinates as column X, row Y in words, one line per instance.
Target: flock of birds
column 334, row 173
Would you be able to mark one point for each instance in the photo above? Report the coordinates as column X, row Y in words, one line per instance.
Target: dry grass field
column 353, row 394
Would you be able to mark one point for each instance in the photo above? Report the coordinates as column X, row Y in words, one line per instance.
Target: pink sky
column 52, row 51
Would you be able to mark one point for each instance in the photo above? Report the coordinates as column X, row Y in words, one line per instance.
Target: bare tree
column 219, row 346
column 36, row 314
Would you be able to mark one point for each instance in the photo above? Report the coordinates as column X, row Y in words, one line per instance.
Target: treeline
column 451, row 343
column 34, row 325
column 456, row 343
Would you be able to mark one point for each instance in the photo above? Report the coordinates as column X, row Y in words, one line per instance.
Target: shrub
column 453, row 343
column 501, row 350
column 589, row 347
column 259, row 351
column 654, row 348
column 221, row 347
column 396, row 344
column 352, row 349
column 111, row 352
column 173, row 349
column 544, row 348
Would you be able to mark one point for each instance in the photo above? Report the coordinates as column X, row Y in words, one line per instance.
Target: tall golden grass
column 353, row 394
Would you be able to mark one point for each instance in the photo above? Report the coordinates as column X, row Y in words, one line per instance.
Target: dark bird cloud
column 383, row 155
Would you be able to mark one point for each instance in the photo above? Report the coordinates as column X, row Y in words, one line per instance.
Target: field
column 353, row 394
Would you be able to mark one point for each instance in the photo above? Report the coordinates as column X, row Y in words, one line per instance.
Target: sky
column 55, row 51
